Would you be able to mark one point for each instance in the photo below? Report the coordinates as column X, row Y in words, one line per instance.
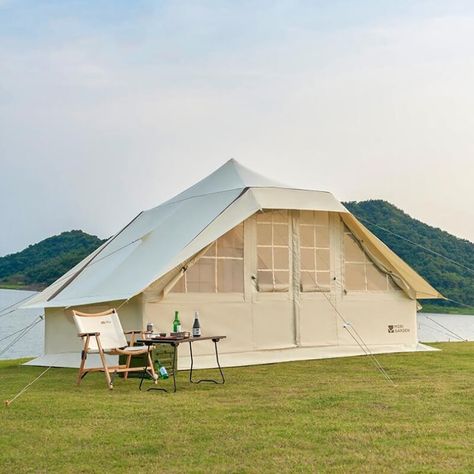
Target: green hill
column 40, row 264
column 451, row 280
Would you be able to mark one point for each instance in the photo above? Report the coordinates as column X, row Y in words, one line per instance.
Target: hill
column 451, row 280
column 40, row 264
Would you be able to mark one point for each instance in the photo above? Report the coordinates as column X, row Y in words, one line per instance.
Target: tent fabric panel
column 152, row 257
column 275, row 198
column 129, row 265
column 232, row 175
column 38, row 300
column 79, row 301
column 372, row 314
column 233, row 215
column 419, row 286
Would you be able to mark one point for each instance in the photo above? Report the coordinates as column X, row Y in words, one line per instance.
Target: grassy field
column 335, row 415
column 432, row 308
column 13, row 286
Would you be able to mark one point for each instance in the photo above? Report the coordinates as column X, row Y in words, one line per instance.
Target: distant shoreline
column 431, row 308
column 6, row 286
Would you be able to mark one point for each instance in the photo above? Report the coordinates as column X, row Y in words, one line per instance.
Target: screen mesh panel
column 360, row 273
column 220, row 269
column 314, row 251
column 273, row 251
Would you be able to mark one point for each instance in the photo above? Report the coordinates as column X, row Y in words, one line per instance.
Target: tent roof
column 162, row 238
column 230, row 176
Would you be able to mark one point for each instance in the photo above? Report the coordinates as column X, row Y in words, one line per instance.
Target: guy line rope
column 422, row 323
column 418, row 245
column 22, row 332
column 465, row 267
column 356, row 336
column 9, row 402
column 447, row 329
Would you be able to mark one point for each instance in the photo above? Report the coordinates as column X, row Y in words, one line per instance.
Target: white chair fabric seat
column 103, row 333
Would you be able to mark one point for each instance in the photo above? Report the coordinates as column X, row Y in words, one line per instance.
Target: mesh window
column 376, row 280
column 232, row 243
column 314, row 251
column 229, row 276
column 323, row 278
column 201, row 277
column 360, row 273
column 355, row 276
column 219, row 270
column 273, row 253
column 352, row 250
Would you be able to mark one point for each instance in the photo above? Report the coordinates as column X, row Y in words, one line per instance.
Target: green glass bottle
column 176, row 322
column 163, row 373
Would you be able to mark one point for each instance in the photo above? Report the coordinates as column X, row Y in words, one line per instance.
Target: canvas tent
column 279, row 271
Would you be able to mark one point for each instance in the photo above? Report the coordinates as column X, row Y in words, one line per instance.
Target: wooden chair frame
column 107, row 369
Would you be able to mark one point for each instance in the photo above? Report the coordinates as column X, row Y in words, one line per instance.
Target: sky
column 111, row 107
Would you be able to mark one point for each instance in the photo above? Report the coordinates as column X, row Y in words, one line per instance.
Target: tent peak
column 231, row 175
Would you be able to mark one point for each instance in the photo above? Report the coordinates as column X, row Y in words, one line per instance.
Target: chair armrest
column 84, row 334
column 132, row 335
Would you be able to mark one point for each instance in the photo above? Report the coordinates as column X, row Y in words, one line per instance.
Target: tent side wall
column 370, row 315
column 61, row 333
column 268, row 323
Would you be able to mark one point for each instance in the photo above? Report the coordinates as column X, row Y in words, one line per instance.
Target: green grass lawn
column 433, row 308
column 336, row 415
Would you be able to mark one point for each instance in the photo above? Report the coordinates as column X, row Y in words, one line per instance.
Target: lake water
column 445, row 327
column 431, row 327
column 31, row 344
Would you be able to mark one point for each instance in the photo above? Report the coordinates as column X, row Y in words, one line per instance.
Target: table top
column 171, row 340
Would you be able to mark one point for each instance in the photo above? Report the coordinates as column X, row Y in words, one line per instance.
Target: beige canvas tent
column 284, row 273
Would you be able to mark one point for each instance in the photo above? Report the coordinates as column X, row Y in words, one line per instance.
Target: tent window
column 314, row 251
column 360, row 273
column 220, row 269
column 273, row 252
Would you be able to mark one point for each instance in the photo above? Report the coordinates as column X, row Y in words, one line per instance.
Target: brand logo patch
column 395, row 328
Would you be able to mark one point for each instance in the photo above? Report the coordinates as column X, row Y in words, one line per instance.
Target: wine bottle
column 196, row 325
column 176, row 322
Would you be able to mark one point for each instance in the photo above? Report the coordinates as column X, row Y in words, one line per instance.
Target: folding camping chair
column 102, row 333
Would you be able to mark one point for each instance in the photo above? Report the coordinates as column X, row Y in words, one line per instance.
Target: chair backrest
column 106, row 323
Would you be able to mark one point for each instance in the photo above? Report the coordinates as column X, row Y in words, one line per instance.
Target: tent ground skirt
column 239, row 359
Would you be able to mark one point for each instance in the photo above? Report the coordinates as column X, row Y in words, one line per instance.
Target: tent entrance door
column 273, row 321
column 315, row 244
column 317, row 320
